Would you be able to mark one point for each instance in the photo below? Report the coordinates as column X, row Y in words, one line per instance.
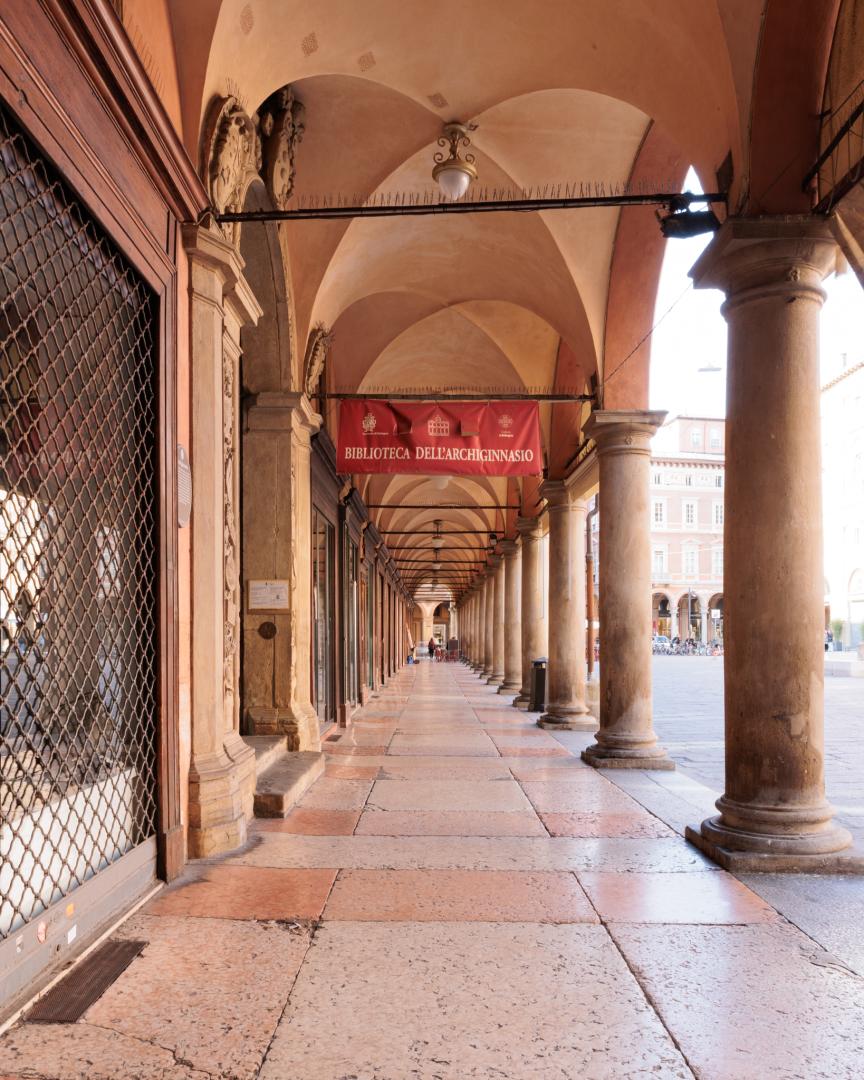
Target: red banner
column 494, row 438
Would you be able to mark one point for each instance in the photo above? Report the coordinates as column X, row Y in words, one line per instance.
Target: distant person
column 431, row 647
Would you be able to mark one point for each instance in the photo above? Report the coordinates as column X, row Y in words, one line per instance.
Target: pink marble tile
column 246, row 892
column 457, row 896
column 449, row 823
column 675, row 898
column 633, row 825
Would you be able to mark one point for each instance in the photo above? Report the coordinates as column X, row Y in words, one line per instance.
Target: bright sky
column 693, row 334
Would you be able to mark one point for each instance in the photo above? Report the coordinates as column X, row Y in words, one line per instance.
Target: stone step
column 279, row 788
column 268, row 749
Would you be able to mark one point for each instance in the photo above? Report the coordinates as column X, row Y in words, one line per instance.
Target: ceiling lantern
column 453, row 173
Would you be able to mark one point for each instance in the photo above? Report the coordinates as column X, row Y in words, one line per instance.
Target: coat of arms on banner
column 438, row 426
column 505, row 423
column 369, row 423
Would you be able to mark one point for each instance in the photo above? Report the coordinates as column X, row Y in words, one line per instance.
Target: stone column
column 512, row 571
column 277, row 526
column 489, row 620
column 773, row 814
column 497, row 623
column 626, row 737
column 222, row 769
column 565, row 687
column 476, row 627
column 534, row 645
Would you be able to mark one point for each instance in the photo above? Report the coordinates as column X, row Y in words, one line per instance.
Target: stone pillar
column 222, row 770
column 476, row 638
column 497, row 622
column 489, row 620
column 480, row 655
column 277, row 525
column 704, row 619
column 565, row 687
column 512, row 571
column 773, row 814
column 534, row 645
column 626, row 737
column 673, row 633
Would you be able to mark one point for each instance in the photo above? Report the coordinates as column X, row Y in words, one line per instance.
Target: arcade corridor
column 460, row 896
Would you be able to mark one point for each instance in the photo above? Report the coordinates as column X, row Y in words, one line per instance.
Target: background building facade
column 687, row 509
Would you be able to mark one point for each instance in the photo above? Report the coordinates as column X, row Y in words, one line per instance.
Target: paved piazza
column 688, row 716
column 460, row 897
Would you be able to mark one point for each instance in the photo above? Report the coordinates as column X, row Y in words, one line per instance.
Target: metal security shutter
column 79, row 549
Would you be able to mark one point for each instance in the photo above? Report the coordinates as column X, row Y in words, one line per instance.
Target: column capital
column 209, row 249
column 623, row 431
column 509, row 548
column 282, row 412
column 530, row 529
column 560, row 496
column 492, row 564
column 750, row 258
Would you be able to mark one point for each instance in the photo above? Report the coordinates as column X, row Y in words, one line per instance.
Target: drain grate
column 86, row 982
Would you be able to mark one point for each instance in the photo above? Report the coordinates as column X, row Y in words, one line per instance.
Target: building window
column 715, row 440
column 658, row 563
column 689, row 513
column 695, row 436
column 690, row 563
column 718, row 480
column 658, row 478
column 717, row 563
column 718, row 513
column 659, row 514
column 688, row 480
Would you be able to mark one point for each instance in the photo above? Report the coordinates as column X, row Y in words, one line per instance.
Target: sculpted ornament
column 317, row 349
column 282, row 128
column 232, row 152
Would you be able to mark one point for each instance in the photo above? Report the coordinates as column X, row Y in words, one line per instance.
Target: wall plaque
column 268, row 596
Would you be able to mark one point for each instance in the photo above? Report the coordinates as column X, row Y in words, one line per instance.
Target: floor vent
column 86, row 982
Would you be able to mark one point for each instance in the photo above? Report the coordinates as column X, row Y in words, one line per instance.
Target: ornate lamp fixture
column 453, row 173
column 437, row 540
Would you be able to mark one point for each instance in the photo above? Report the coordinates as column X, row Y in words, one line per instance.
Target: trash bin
column 538, row 685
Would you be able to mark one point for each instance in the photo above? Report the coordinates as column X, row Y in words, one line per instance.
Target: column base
column 600, row 757
column 298, row 723
column 712, row 839
column 577, row 722
column 509, row 688
column 495, row 680
column 221, row 790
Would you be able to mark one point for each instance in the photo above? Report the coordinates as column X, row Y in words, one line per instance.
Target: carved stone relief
column 317, row 348
column 230, row 538
column 282, row 127
column 238, row 148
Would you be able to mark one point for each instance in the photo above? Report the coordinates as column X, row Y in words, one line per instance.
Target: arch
column 268, row 359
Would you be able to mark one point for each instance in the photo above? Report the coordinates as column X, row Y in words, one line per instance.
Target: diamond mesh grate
column 78, row 542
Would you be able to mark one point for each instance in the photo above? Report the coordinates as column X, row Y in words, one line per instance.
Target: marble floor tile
column 211, row 990
column 338, row 770
column 617, row 855
column 309, row 821
column 246, row 892
column 673, row 898
column 751, row 1002
column 550, row 796
column 85, row 1052
column 598, row 824
column 457, row 896
column 330, row 794
column 458, row 795
column 403, row 768
column 448, row 1002
column 449, row 823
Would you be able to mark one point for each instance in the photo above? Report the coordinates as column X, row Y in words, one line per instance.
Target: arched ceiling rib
column 509, row 299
